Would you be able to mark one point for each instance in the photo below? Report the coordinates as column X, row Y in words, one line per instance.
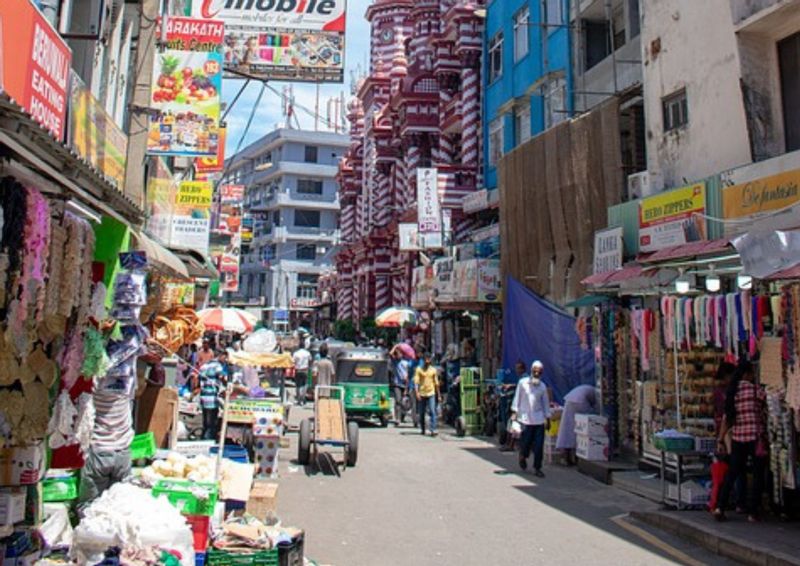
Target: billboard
column 185, row 90
column 215, row 164
column 226, row 236
column 672, row 218
column 34, row 65
column 280, row 40
column 94, row 135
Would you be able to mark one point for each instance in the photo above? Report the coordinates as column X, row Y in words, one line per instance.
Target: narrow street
column 424, row 501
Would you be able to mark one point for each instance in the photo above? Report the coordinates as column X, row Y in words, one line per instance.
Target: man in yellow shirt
column 426, row 379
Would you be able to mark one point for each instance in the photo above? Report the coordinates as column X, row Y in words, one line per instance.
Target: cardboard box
column 591, row 425
column 237, row 479
column 590, row 448
column 12, row 507
column 22, row 466
column 692, row 493
column 263, row 499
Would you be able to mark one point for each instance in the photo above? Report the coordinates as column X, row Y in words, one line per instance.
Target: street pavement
column 414, row 500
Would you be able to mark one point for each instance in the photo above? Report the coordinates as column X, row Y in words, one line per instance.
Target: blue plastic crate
column 233, row 452
column 199, row 559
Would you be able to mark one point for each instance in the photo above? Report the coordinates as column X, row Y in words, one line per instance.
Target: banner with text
column 34, row 64
column 672, row 218
column 226, row 237
column 191, row 215
column 608, row 250
column 281, row 40
column 429, row 212
column 216, row 164
column 185, row 90
column 771, row 199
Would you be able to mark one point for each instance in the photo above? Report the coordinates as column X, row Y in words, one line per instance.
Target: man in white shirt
column 531, row 407
column 302, row 362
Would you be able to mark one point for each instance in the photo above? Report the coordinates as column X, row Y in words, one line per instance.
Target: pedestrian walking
column 302, row 363
column 324, row 371
column 426, row 380
column 212, row 376
column 745, row 416
column 400, row 379
column 531, row 408
column 206, row 354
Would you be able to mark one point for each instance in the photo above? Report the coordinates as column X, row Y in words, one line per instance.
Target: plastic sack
column 515, row 429
column 56, row 531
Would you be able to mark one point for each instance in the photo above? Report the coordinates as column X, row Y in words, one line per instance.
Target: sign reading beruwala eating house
column 280, row 40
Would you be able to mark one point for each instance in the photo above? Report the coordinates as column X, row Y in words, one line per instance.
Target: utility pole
column 137, row 141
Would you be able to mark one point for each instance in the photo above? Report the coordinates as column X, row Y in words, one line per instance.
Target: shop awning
column 608, row 278
column 690, row 250
column 197, row 265
column 790, row 273
column 160, row 257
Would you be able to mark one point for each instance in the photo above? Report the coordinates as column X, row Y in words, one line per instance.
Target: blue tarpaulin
column 534, row 329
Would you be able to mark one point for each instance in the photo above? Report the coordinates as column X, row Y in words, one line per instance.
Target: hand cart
column 328, row 427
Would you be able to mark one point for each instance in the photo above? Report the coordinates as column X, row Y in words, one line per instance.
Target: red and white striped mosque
column 419, row 106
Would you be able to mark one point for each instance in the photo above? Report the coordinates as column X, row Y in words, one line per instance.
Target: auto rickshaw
column 364, row 375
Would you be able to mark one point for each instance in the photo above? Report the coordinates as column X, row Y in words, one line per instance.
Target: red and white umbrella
column 228, row 320
column 396, row 317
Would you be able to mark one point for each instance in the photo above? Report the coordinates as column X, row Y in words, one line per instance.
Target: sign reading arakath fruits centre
column 34, row 64
column 283, row 40
column 672, row 218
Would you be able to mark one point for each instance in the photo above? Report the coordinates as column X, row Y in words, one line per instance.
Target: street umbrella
column 228, row 320
column 396, row 317
column 406, row 350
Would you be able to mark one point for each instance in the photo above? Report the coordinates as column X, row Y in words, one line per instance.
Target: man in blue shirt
column 212, row 378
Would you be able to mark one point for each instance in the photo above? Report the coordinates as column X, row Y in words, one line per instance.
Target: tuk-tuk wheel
column 461, row 426
column 304, row 443
column 384, row 420
column 352, row 448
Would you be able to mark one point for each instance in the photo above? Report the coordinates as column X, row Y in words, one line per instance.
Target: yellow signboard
column 672, row 218
column 195, row 194
column 750, row 200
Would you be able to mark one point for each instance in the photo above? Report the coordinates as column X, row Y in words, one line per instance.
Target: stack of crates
column 471, row 392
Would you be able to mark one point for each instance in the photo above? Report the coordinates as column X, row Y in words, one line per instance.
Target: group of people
column 319, row 370
column 417, row 388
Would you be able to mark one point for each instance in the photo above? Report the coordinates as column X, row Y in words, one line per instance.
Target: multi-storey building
column 419, row 106
column 527, row 74
column 291, row 192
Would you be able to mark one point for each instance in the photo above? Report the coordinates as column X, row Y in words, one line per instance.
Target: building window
column 312, row 153
column 596, row 41
column 618, row 21
column 495, row 141
column 496, row 57
column 307, row 286
column 521, row 20
column 307, row 252
column 276, row 218
column 789, row 62
column 309, row 187
column 306, row 218
column 676, row 110
column 522, row 124
column 555, row 103
column 553, row 13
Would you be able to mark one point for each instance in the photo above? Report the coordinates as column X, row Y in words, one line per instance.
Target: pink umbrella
column 407, row 350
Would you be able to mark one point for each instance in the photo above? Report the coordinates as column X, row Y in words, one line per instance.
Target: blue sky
column 269, row 112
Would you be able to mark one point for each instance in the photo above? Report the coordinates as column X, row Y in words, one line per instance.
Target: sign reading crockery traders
column 291, row 40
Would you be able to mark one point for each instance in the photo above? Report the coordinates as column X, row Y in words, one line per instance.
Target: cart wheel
column 304, row 443
column 352, row 449
column 461, row 426
column 384, row 420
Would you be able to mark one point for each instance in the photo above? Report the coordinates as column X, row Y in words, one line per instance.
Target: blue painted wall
column 518, row 76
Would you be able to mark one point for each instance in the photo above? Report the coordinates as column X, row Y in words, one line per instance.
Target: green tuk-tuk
column 364, row 374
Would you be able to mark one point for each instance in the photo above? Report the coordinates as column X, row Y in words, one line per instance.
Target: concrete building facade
column 291, row 193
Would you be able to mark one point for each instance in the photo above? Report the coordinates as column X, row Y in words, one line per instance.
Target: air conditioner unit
column 642, row 184
column 82, row 19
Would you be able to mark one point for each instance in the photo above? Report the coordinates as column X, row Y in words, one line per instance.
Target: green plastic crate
column 143, row 446
column 55, row 490
column 180, row 494
column 216, row 557
column 674, row 445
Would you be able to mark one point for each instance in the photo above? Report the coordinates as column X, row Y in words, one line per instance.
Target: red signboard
column 35, row 64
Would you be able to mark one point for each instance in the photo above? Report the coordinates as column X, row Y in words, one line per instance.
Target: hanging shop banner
column 489, row 290
column 423, row 288
column 34, row 64
column 608, row 250
column 94, row 135
column 226, row 237
column 766, row 197
column 185, row 90
column 409, row 237
column 247, row 229
column 178, row 294
column 475, row 201
column 216, row 164
column 160, row 200
column 429, row 214
column 280, row 40
column 191, row 215
column 672, row 218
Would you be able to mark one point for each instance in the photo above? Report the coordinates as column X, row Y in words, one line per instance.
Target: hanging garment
column 687, row 322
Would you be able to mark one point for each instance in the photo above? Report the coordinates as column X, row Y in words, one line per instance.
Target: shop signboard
column 608, row 250
column 160, row 201
column 247, row 229
column 475, row 201
column 280, row 40
column 672, row 218
column 94, row 135
column 304, row 303
column 191, row 215
column 762, row 198
column 215, row 164
column 429, row 213
column 443, row 282
column 489, row 286
column 423, row 287
column 34, row 64
column 185, row 90
column 409, row 237
column 226, row 237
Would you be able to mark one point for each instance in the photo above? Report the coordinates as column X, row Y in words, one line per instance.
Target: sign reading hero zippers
column 291, row 40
